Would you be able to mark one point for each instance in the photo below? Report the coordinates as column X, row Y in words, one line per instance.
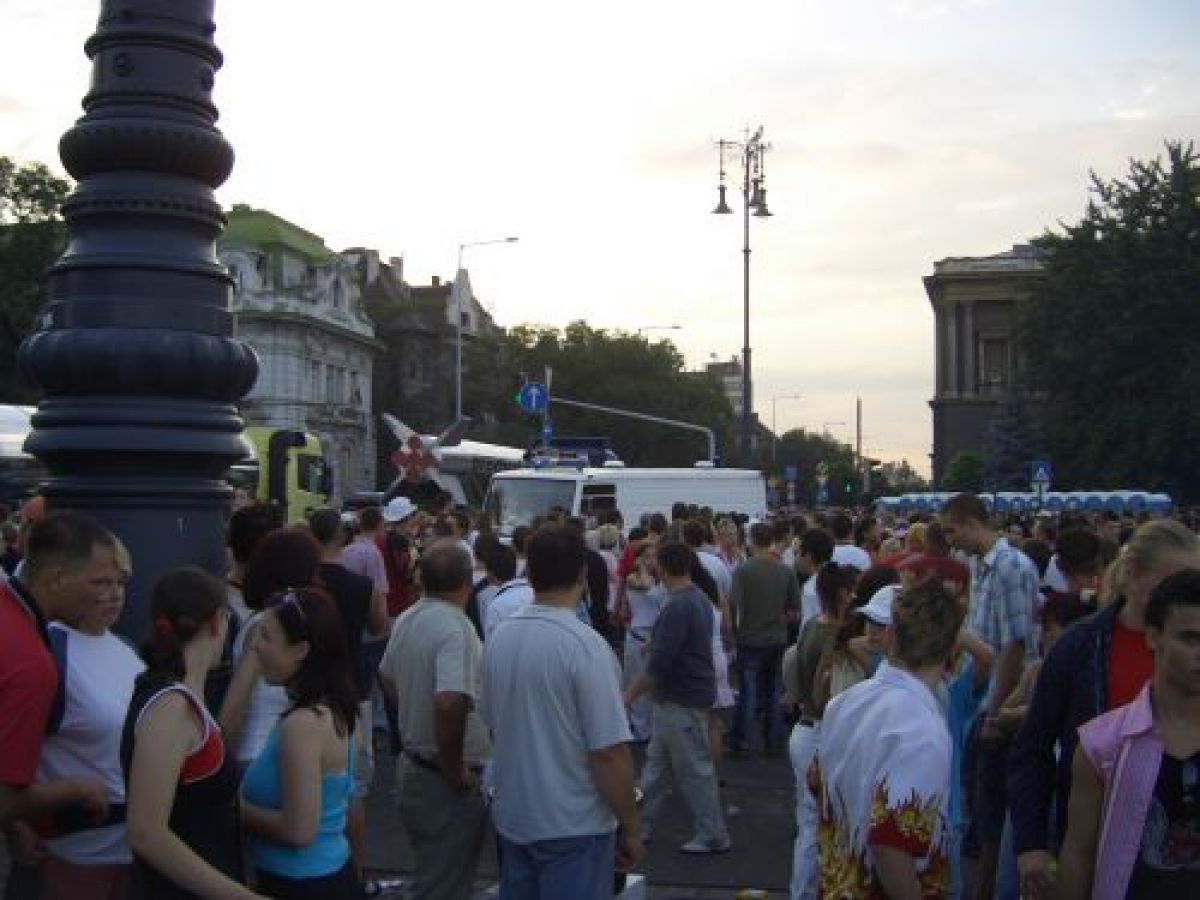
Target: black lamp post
column 750, row 151
column 134, row 348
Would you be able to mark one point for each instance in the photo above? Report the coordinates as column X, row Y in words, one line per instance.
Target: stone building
column 414, row 377
column 978, row 360
column 299, row 305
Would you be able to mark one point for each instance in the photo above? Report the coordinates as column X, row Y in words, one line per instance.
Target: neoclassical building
column 298, row 304
column 978, row 360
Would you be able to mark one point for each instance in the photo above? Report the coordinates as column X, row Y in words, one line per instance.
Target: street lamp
column 458, row 289
column 750, row 151
column 774, row 432
column 645, row 328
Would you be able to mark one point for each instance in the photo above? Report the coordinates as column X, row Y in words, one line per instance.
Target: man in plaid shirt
column 1004, row 600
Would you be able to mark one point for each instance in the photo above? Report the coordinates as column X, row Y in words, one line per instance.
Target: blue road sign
column 547, row 433
column 533, row 397
column 1041, row 470
column 822, row 496
column 790, row 473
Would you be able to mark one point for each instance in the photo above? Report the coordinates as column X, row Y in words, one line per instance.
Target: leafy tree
column 32, row 236
column 594, row 365
column 1110, row 336
column 1011, row 442
column 804, row 450
column 964, row 473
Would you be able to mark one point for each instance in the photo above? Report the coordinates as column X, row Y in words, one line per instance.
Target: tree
column 32, row 236
column 804, row 450
column 1110, row 335
column 965, row 473
column 1011, row 442
column 593, row 365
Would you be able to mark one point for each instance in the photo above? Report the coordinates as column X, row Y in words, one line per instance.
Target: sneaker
column 699, row 847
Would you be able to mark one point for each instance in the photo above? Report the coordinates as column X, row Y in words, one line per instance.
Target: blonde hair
column 607, row 537
column 1149, row 543
column 124, row 560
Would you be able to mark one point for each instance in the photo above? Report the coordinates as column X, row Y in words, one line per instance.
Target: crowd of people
column 971, row 708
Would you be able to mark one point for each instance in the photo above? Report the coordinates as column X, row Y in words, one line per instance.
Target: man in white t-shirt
column 509, row 598
column 564, row 807
column 846, row 552
column 432, row 666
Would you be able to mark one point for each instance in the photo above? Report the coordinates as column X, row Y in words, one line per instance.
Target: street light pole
column 644, row 328
column 774, row 432
column 458, row 289
column 751, row 151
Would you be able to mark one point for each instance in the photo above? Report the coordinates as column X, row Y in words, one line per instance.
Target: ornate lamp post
column 750, row 151
column 134, row 348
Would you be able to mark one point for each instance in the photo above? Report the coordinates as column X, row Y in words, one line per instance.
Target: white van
column 518, row 496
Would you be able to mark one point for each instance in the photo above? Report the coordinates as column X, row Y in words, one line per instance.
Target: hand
column 1038, row 874
column 990, row 734
column 92, row 796
column 467, row 781
column 630, row 849
column 25, row 846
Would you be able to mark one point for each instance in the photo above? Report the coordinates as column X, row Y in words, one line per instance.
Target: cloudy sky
column 903, row 131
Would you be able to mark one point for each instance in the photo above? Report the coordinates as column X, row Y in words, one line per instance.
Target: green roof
column 260, row 228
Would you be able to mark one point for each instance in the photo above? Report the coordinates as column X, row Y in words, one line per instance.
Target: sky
column 902, row 132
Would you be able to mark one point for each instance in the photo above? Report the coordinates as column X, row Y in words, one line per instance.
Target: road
column 758, row 803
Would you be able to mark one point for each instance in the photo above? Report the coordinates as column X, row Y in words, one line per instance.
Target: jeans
column 802, row 747
column 679, row 747
column 758, row 682
column 635, row 665
column 580, row 868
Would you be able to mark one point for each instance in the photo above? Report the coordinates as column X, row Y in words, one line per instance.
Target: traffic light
column 849, row 485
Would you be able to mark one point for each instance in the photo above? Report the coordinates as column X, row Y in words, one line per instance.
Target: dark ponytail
column 182, row 601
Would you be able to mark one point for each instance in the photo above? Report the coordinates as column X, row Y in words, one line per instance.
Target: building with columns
column 298, row 304
column 978, row 360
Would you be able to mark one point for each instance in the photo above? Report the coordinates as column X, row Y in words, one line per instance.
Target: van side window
column 597, row 498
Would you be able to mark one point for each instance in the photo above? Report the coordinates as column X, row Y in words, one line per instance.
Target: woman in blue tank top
column 295, row 793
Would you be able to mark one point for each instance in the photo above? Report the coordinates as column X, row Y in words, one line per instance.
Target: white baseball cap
column 398, row 509
column 879, row 607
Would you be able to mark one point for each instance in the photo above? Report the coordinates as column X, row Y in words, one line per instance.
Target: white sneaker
column 699, row 847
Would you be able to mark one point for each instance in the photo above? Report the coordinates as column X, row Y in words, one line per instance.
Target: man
column 882, row 773
column 564, row 806
column 846, row 552
column 765, row 594
column 816, row 549
column 697, row 534
column 1133, row 824
column 681, row 675
column 432, row 667
column 395, row 543
column 70, row 567
column 1004, row 599
column 510, row 597
column 362, row 555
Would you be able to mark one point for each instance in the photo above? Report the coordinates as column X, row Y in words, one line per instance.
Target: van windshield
column 517, row 501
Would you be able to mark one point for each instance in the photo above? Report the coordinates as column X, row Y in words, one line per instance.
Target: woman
column 97, row 673
column 730, row 546
column 181, row 783
column 288, row 558
column 722, row 633
column 835, row 584
column 296, row 793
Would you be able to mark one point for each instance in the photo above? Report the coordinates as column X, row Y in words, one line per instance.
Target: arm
column 449, row 730
column 302, row 736
column 612, row 774
column 1083, row 830
column 897, row 874
column 981, row 653
column 1009, row 666
column 377, row 617
column 237, row 698
column 822, row 683
column 1031, row 763
column 45, row 798
column 167, row 732
column 643, row 684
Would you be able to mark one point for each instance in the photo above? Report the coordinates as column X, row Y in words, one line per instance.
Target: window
column 994, row 363
column 315, row 376
column 330, row 384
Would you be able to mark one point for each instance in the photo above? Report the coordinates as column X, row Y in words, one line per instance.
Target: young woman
column 296, row 792
column 181, row 784
column 644, row 597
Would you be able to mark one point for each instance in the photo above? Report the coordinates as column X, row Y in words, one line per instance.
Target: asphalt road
column 757, row 797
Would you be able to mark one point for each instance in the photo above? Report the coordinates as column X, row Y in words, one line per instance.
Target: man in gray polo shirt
column 564, row 809
column 682, row 676
column 433, row 667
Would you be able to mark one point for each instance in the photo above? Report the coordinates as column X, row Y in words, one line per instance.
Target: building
column 414, row 377
column 298, row 304
column 978, row 361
